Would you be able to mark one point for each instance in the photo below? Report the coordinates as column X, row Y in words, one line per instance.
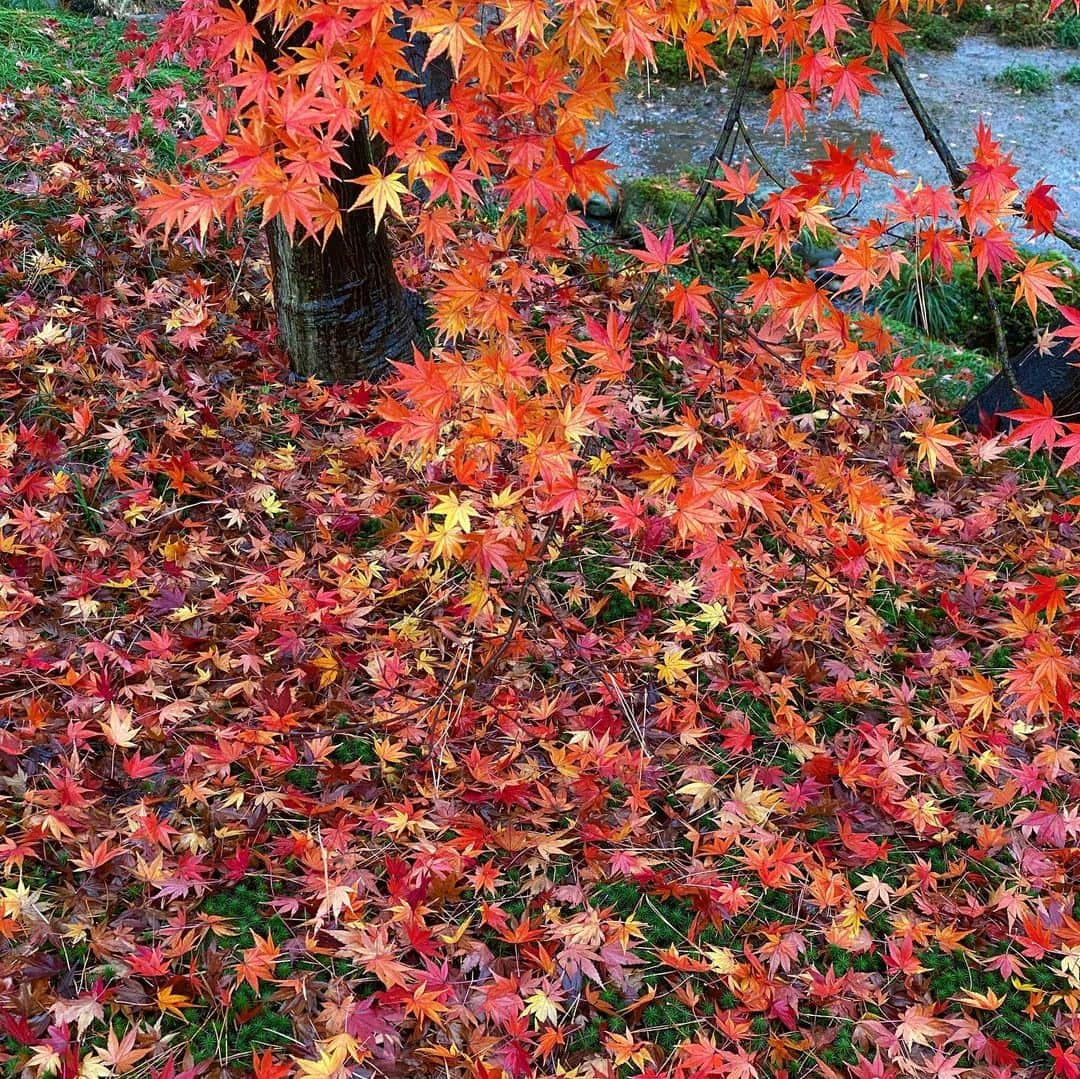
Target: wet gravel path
column 661, row 131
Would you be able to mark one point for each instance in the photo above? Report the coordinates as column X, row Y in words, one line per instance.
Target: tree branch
column 957, row 177
column 726, row 133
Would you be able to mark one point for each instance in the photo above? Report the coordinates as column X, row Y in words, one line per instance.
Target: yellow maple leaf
column 976, row 693
column 381, row 193
column 712, row 615
column 328, row 668
column 673, row 666
column 328, row 1065
column 118, row 729
column 172, row 1003
column 932, row 440
column 626, row 1050
column 456, row 514
column 987, row 1002
column 545, row 1009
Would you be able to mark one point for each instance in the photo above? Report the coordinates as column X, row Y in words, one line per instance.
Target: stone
column 604, row 207
column 1055, row 374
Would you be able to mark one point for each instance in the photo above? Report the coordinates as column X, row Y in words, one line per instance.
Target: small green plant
column 1016, row 22
column 1025, row 79
column 1067, row 33
column 1072, row 75
column 921, row 300
column 936, row 33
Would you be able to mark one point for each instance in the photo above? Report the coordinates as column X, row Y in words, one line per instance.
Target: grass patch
column 922, row 300
column 954, row 310
column 1072, row 75
column 78, row 56
column 1067, row 32
column 1025, row 79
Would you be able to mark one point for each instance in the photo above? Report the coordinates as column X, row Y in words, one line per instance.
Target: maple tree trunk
column 435, row 78
column 341, row 311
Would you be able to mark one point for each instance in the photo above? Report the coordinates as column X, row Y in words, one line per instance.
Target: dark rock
column 1054, row 374
column 604, row 207
column 813, row 255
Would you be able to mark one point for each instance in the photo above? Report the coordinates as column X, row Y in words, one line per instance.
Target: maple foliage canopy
column 648, row 681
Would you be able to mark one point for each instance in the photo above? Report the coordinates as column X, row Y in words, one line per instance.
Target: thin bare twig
column 957, row 178
column 715, row 161
column 761, row 163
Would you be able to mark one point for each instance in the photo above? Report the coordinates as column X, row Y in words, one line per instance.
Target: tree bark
column 341, row 311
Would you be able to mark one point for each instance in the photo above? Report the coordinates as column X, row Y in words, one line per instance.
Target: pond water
column 660, row 130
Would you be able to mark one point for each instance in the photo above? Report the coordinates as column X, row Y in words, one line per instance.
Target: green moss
column 266, row 1030
column 869, row 962
column 940, row 857
column 367, row 535
column 672, row 69
column 307, row 779
column 718, row 260
column 671, row 65
column 800, row 403
column 618, row 607
column 587, row 1039
column 898, row 612
column 354, row 749
column 666, row 922
column 1038, row 1035
column 224, row 1038
column 668, row 1023
column 841, row 1052
column 242, row 907
column 515, row 908
column 622, row 897
column 837, row 958
column 1028, row 1038
column 856, row 42
column 206, row 1044
column 776, row 901
column 653, row 202
column 971, row 15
